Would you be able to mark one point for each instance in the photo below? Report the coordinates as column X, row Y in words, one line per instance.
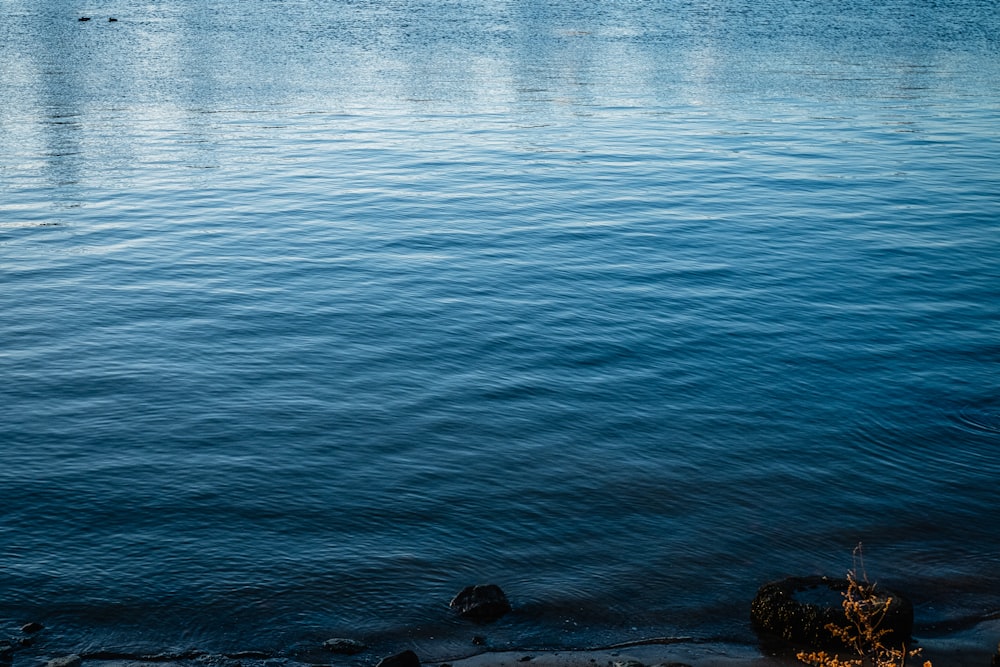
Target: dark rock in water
column 65, row 661
column 794, row 614
column 112, row 20
column 404, row 659
column 32, row 628
column 6, row 652
column 83, row 18
column 483, row 603
column 344, row 646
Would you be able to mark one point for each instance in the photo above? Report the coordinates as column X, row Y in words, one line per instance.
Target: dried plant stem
column 864, row 634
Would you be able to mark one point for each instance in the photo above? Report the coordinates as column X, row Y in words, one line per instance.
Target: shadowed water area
column 314, row 312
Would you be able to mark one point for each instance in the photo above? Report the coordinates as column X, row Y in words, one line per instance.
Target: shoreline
column 972, row 647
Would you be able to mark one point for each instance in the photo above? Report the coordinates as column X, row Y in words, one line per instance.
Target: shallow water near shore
column 316, row 312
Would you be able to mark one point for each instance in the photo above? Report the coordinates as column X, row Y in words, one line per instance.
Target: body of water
column 313, row 312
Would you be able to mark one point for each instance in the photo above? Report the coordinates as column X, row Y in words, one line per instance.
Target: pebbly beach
column 969, row 643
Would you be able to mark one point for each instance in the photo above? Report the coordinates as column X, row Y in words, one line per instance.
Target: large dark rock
column 31, row 628
column 794, row 614
column 483, row 603
column 404, row 659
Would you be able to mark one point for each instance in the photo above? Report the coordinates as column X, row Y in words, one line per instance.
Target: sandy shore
column 691, row 655
column 972, row 647
column 700, row 655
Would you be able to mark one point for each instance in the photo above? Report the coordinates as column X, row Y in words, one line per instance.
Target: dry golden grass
column 865, row 610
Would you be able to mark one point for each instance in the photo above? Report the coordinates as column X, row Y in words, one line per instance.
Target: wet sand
column 972, row 647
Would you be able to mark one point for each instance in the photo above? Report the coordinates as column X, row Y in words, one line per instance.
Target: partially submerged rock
column 483, row 603
column 404, row 659
column 795, row 613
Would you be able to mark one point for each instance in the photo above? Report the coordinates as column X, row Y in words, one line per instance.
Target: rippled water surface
column 315, row 311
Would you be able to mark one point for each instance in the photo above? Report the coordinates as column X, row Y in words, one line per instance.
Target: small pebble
column 628, row 663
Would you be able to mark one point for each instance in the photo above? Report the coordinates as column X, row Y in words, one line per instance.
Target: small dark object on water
column 526, row 658
column 83, row 18
column 344, row 646
column 404, row 659
column 31, row 628
column 112, row 20
column 483, row 603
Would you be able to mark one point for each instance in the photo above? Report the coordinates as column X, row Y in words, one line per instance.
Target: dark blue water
column 314, row 312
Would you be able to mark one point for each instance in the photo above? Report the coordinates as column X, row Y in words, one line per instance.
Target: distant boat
column 83, row 18
column 112, row 20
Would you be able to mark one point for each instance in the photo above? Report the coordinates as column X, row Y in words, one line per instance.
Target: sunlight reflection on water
column 315, row 314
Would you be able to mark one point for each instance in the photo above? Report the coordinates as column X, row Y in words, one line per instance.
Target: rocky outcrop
column 483, row 603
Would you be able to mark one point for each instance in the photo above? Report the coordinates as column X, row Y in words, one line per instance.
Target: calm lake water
column 314, row 312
